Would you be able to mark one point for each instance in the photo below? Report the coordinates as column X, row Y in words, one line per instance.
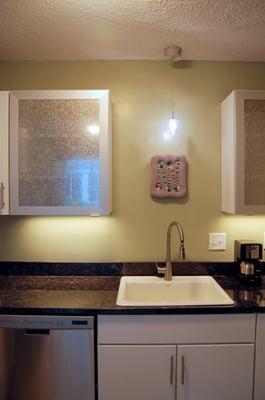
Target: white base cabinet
column 200, row 357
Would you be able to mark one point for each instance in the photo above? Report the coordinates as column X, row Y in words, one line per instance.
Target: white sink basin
column 181, row 291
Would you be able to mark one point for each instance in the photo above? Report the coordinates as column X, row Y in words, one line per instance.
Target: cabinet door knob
column 2, row 202
column 182, row 369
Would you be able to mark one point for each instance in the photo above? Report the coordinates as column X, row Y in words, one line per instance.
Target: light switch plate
column 217, row 241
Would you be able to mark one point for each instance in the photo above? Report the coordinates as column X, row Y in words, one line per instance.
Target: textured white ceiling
column 131, row 29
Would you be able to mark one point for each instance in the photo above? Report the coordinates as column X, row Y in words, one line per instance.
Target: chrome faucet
column 167, row 270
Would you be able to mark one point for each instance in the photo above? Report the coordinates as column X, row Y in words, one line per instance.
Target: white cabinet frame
column 4, row 153
column 233, row 152
column 104, row 153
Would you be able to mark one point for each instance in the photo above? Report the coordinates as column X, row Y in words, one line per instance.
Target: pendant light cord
column 173, row 100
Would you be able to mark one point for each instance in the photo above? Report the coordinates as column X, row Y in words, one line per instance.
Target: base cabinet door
column 136, row 372
column 259, row 388
column 215, row 372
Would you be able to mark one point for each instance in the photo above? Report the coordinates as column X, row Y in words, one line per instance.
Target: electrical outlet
column 217, row 241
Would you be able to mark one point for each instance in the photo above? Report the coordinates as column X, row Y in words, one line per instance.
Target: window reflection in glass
column 82, row 182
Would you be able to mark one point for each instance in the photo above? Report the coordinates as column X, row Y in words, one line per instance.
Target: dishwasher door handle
column 39, row 332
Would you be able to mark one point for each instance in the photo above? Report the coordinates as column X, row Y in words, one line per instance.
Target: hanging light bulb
column 174, row 54
column 172, row 125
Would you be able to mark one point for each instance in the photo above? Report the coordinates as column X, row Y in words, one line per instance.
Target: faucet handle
column 160, row 270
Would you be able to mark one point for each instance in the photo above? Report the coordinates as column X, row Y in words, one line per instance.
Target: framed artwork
column 168, row 176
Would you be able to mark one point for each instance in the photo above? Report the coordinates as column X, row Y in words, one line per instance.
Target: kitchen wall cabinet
column 243, row 152
column 59, row 152
column 194, row 357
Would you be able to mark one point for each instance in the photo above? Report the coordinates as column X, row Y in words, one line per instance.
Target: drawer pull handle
column 171, row 370
column 182, row 369
column 37, row 332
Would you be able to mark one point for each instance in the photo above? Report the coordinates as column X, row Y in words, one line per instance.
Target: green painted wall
column 141, row 96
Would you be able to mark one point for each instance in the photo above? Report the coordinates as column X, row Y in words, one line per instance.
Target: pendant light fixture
column 172, row 53
column 172, row 123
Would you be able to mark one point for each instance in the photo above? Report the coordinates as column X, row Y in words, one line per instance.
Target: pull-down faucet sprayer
column 167, row 270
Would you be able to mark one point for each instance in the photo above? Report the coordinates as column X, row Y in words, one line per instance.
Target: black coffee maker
column 248, row 255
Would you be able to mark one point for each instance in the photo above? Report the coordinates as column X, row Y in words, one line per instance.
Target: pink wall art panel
column 168, row 176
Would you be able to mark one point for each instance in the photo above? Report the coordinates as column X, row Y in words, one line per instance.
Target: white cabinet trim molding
column 4, row 153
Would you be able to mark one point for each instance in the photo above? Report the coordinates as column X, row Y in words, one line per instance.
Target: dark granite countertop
column 91, row 289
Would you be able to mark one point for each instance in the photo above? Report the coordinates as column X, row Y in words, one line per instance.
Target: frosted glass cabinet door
column 60, row 152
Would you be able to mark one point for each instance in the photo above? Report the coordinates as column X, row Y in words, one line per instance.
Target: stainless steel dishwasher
column 46, row 358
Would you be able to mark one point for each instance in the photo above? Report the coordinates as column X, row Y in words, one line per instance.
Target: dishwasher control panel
column 45, row 322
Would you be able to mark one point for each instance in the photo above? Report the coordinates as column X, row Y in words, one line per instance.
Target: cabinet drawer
column 126, row 329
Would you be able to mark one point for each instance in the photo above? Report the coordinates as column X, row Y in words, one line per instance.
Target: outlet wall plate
column 217, row 241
